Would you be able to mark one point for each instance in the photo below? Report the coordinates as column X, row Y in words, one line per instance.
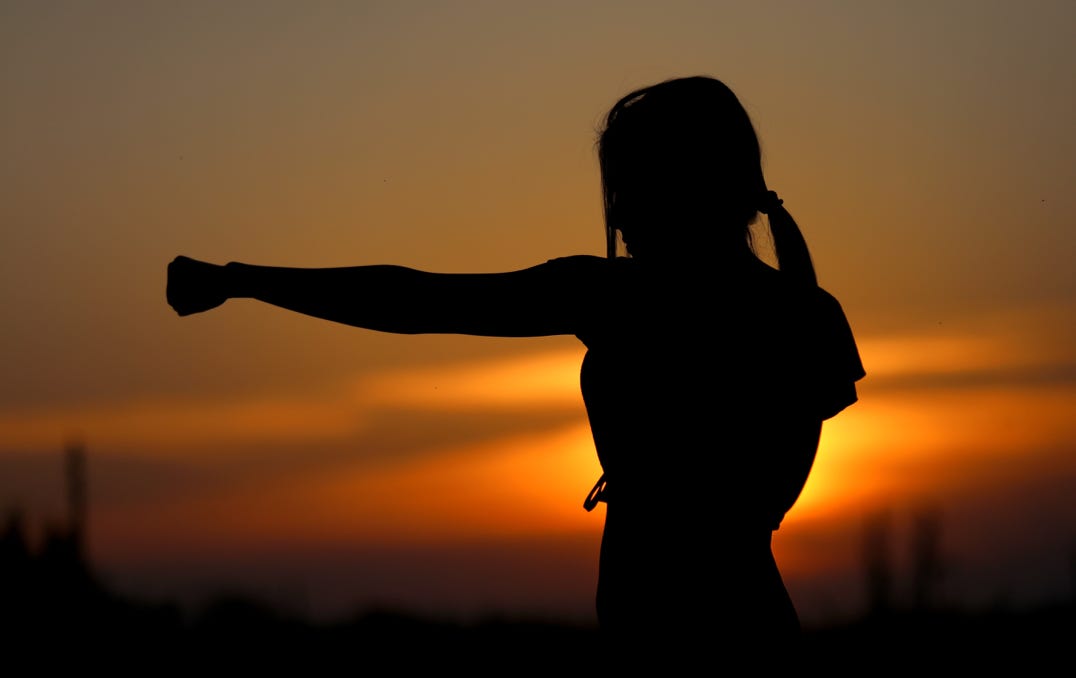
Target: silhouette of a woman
column 707, row 376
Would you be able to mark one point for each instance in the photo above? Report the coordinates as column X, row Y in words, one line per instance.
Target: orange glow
column 521, row 382
column 511, row 487
column 933, row 354
column 533, row 380
column 917, row 434
column 1027, row 338
column 174, row 425
column 926, row 441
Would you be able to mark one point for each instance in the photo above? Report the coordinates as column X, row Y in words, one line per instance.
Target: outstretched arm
column 529, row 302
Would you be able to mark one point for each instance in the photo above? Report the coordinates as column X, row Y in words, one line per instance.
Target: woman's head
column 680, row 159
column 682, row 170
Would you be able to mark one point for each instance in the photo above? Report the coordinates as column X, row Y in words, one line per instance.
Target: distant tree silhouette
column 77, row 495
column 16, row 569
column 927, row 564
column 878, row 568
column 1072, row 571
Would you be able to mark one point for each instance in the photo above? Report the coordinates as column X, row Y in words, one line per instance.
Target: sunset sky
column 925, row 148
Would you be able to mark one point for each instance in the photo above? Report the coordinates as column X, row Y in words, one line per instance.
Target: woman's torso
column 702, row 388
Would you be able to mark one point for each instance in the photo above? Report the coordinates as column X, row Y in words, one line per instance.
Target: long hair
column 681, row 165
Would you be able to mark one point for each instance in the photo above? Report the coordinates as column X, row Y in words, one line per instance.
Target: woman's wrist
column 235, row 280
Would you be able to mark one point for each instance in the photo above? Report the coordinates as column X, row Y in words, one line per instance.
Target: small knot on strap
column 597, row 494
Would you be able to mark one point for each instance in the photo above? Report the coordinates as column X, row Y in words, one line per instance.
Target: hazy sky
column 926, row 148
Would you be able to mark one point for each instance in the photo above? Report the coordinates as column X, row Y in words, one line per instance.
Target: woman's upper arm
column 548, row 299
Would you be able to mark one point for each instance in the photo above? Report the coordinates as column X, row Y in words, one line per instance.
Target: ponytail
column 793, row 257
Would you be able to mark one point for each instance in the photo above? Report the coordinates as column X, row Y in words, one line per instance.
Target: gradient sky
column 926, row 149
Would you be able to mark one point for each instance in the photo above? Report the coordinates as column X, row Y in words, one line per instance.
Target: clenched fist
column 195, row 286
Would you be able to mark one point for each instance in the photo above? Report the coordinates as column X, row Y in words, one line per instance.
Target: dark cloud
column 1037, row 376
column 33, row 480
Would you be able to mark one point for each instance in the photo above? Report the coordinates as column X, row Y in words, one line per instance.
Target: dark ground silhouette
column 52, row 595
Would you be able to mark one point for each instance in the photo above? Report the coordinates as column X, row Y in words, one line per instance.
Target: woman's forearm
column 372, row 297
column 404, row 300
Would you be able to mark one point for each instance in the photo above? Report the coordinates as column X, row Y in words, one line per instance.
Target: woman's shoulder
column 583, row 269
column 582, row 262
column 772, row 281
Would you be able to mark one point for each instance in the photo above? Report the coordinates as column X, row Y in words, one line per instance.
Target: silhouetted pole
column 77, row 502
column 878, row 564
column 1072, row 572
column 928, row 569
